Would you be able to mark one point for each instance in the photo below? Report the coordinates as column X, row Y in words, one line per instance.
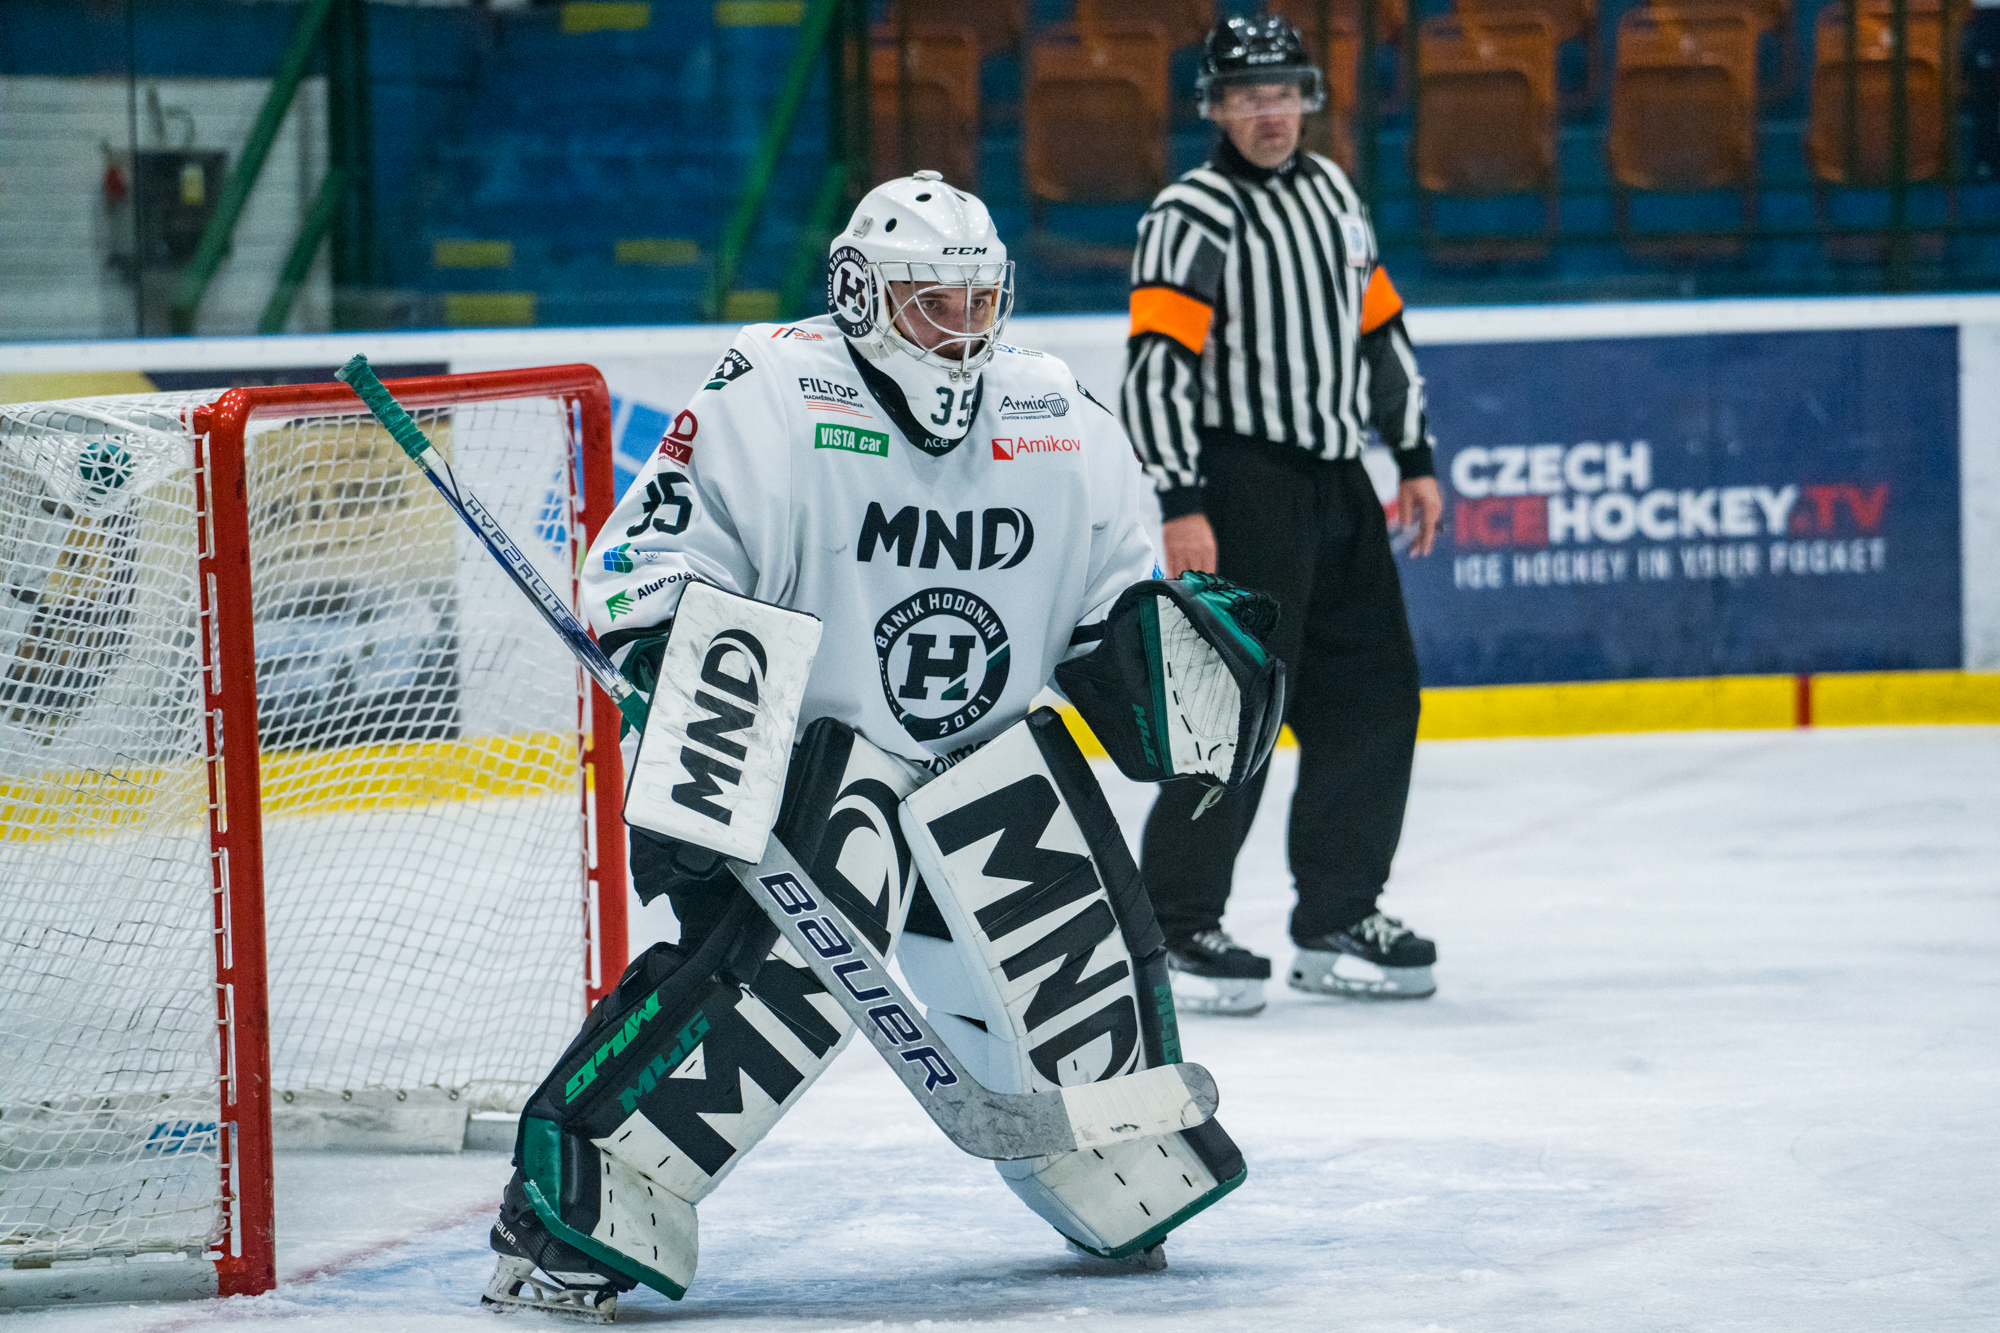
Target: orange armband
column 1176, row 314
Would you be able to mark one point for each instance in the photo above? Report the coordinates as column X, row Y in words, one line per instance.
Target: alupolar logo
column 678, row 442
column 1038, row 408
column 1006, row 447
column 936, row 693
column 850, row 292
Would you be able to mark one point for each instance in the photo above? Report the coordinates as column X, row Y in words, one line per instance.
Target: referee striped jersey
column 1259, row 310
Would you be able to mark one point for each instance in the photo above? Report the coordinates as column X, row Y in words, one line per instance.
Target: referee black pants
column 1313, row 535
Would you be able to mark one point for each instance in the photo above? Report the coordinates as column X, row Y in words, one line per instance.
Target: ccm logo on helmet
column 965, row 250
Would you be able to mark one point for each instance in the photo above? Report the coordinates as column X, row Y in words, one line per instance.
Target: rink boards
column 1704, row 514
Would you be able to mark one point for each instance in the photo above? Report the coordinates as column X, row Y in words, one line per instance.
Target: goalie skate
column 1378, row 958
column 536, row 1271
column 518, row 1285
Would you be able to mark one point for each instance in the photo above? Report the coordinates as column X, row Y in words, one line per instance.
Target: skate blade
column 517, row 1286
column 1351, row 978
column 1236, row 996
column 1153, row 1260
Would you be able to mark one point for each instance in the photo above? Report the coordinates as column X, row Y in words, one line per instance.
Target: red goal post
column 334, row 549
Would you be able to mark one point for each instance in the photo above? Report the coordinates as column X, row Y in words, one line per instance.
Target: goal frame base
column 110, row 1282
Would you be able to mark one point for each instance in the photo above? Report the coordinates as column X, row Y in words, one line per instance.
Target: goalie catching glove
column 1181, row 684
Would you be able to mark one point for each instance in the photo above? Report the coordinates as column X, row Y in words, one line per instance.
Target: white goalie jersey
column 951, row 578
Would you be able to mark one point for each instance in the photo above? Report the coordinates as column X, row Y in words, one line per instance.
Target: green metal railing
column 813, row 44
column 343, row 189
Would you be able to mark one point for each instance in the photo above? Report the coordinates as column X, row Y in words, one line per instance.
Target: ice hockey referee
column 1266, row 341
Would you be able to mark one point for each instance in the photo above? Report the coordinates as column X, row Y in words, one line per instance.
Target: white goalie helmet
column 924, row 255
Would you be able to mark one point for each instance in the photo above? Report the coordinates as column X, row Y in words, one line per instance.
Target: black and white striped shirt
column 1259, row 310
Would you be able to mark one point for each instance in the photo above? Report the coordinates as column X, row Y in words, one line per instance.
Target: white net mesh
column 420, row 791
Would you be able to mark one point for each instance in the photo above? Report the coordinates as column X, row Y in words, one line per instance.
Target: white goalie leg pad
column 711, row 764
column 1054, row 976
column 698, row 1057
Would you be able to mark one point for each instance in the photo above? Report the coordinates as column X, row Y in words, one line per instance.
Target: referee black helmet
column 1244, row 51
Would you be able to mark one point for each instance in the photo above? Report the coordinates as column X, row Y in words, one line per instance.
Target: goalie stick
column 359, row 376
column 981, row 1121
column 985, row 1123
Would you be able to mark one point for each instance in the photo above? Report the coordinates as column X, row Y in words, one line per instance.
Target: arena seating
column 997, row 25
column 941, row 130
column 1392, row 17
column 1870, row 74
column 1095, row 114
column 1486, row 104
column 1684, row 99
column 1182, row 22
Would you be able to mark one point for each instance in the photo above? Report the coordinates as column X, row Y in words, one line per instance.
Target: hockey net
column 391, row 866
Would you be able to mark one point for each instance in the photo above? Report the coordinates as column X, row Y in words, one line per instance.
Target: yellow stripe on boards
column 1888, row 698
column 401, row 775
column 477, row 310
column 1713, row 703
column 410, row 773
column 81, row 802
column 1708, row 703
column 457, row 253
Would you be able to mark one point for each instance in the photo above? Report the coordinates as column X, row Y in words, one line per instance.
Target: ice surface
column 1716, row 1046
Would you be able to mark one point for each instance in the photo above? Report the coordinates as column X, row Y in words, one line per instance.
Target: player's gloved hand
column 638, row 660
column 1182, row 684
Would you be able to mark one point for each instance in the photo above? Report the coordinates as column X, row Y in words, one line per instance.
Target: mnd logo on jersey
column 943, row 654
column 1005, row 537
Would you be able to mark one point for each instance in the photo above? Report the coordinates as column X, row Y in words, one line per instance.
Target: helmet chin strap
column 924, row 381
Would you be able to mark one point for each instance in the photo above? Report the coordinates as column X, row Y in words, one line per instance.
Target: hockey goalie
column 868, row 543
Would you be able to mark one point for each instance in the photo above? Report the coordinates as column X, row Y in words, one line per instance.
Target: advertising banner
column 1693, row 506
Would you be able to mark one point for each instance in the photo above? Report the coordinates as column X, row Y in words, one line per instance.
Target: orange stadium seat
column 1567, row 18
column 1095, row 115
column 1341, row 59
column 997, row 25
column 1391, row 16
column 1486, row 105
column 1181, row 22
column 1684, row 100
column 942, row 127
column 1871, row 76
